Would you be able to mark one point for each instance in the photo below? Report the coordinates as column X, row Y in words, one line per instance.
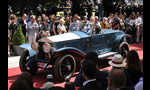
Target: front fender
column 68, row 50
column 120, row 39
column 123, row 37
column 28, row 47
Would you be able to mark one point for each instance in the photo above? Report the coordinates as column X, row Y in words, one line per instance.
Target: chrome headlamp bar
column 46, row 47
column 34, row 46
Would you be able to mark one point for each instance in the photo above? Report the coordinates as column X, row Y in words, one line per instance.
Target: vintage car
column 63, row 53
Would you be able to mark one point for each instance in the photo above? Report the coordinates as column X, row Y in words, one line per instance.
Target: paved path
column 13, row 61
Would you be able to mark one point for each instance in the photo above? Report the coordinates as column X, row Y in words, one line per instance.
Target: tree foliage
column 32, row 3
column 18, row 37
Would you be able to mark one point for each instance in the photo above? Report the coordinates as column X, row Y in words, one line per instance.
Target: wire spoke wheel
column 32, row 68
column 124, row 49
column 65, row 67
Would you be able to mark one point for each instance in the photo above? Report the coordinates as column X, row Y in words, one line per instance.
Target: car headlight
column 34, row 46
column 46, row 47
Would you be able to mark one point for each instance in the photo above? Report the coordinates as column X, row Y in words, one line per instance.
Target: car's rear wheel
column 32, row 68
column 65, row 66
column 124, row 49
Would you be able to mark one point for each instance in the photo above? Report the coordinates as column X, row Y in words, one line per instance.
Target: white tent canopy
column 140, row 2
column 136, row 2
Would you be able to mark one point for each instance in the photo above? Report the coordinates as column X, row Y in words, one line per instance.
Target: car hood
column 64, row 37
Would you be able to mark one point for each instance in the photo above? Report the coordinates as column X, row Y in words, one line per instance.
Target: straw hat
column 117, row 61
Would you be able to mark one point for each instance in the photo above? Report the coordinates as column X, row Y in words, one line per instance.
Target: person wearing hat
column 117, row 62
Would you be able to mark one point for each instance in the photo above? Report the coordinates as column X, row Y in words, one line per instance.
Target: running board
column 109, row 54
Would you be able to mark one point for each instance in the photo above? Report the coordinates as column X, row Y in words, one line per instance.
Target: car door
column 96, row 43
column 110, row 39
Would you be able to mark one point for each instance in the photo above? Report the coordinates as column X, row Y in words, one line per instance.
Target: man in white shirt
column 86, row 24
column 138, row 23
column 32, row 29
column 75, row 25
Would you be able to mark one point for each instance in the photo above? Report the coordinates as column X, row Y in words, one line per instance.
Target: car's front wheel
column 65, row 66
column 32, row 68
column 124, row 49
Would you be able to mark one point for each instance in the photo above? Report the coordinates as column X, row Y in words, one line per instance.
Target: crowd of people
column 126, row 74
column 35, row 27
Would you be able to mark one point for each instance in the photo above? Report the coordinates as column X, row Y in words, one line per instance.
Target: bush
column 18, row 37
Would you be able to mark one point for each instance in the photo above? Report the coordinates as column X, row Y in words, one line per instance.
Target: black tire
column 23, row 60
column 65, row 66
column 124, row 49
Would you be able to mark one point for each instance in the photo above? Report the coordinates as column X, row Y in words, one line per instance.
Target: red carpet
column 39, row 79
column 138, row 48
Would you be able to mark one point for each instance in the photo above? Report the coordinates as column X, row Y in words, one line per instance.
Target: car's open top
column 64, row 37
column 72, row 36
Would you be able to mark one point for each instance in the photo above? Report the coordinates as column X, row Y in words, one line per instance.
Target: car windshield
column 85, row 27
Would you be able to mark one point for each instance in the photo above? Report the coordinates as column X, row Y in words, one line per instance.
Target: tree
column 108, row 8
column 31, row 4
column 76, row 7
column 18, row 37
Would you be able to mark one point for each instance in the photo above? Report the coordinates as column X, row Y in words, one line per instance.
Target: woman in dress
column 61, row 27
